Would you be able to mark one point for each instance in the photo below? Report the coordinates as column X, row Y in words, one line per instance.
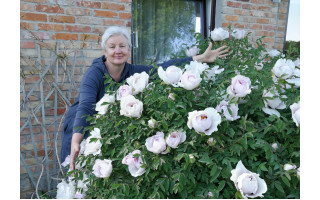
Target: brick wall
column 77, row 26
column 261, row 17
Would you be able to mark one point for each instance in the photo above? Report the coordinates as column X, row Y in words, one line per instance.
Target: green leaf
column 285, row 180
column 115, row 186
column 205, row 159
column 221, row 185
column 263, row 167
column 277, row 184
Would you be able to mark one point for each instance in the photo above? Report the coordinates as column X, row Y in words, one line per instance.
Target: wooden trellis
column 57, row 62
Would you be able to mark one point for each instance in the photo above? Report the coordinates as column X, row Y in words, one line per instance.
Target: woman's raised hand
column 210, row 55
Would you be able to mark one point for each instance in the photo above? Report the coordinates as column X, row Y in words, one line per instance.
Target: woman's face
column 117, row 50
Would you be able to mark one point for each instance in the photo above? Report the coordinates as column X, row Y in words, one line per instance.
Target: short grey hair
column 114, row 30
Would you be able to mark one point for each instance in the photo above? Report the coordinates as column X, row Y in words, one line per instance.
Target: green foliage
column 248, row 138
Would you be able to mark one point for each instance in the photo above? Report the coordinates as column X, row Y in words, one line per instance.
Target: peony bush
column 230, row 129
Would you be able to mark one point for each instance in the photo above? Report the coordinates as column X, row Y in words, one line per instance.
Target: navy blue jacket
column 92, row 89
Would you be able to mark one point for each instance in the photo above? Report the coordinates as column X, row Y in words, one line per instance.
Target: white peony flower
column 274, row 146
column 240, row 86
column 65, row 190
column 297, row 62
column 205, row 121
column 156, row 143
column 249, row 184
column 123, row 91
column 66, row 161
column 298, row 171
column 238, row 34
column 224, row 105
column 283, row 68
column 295, row 110
column 272, row 53
column 259, row 66
column 272, row 105
column 102, row 168
column 171, row 96
column 152, row 123
column 138, row 82
column 211, row 73
column 79, row 195
column 93, row 148
column 219, row 34
column 287, row 167
column 192, row 51
column 175, row 138
column 171, row 76
column 131, row 107
column 196, row 66
column 190, row 80
column 134, row 163
column 295, row 79
column 102, row 109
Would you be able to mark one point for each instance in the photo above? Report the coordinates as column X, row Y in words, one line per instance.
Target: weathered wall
column 261, row 17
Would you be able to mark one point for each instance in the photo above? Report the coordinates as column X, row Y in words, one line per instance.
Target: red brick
column 78, row 11
column 237, row 25
column 282, row 16
column 60, row 111
column 62, row 19
column 33, row 17
column 89, row 37
column 269, row 27
column 102, row 13
column 27, row 6
column 112, row 6
column 71, row 28
column 269, row 15
column 26, row 25
column 89, row 4
column 264, row 8
column 23, row 139
column 113, row 22
column 49, row 9
column 65, row 36
column 49, row 27
column 283, row 10
column 232, row 18
column 271, row 34
column 249, row 6
column 31, row 79
column 39, row 35
column 128, row 24
column 257, row 1
column 262, row 21
column 262, row 33
column 27, row 45
column 27, row 130
column 240, row 12
column 125, row 15
column 234, row 4
column 281, row 28
column 36, row 1
column 224, row 24
column 256, row 26
column 268, row 40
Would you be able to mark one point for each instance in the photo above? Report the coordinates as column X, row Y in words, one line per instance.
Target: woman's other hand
column 209, row 56
column 75, row 148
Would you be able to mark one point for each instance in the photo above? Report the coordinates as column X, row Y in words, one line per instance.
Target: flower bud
column 192, row 158
column 152, row 123
column 274, row 146
column 211, row 142
column 171, row 96
column 136, row 144
column 210, row 194
column 289, row 167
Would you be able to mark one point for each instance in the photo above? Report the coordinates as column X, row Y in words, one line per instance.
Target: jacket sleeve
column 88, row 93
column 177, row 62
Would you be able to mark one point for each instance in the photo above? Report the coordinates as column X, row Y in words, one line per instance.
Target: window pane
column 163, row 27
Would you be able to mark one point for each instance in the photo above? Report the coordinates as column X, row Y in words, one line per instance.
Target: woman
column 116, row 46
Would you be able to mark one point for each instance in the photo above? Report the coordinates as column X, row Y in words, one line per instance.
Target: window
column 165, row 27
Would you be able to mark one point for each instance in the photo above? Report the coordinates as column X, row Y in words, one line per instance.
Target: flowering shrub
column 228, row 129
